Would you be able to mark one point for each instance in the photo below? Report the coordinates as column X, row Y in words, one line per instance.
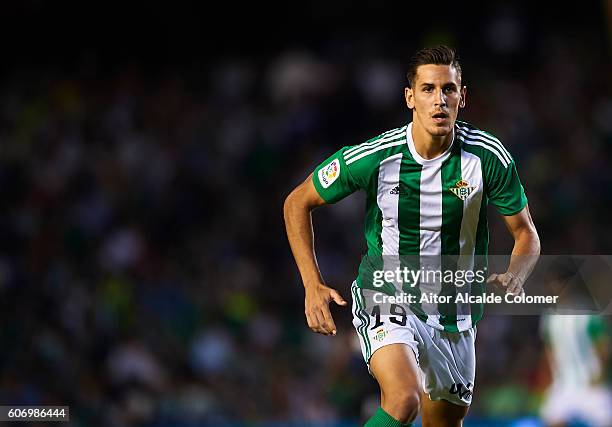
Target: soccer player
column 577, row 349
column 428, row 184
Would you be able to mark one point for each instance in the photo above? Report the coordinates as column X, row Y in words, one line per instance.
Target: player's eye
column 427, row 89
column 449, row 89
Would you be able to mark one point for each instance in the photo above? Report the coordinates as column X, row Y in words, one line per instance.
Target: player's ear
column 463, row 97
column 409, row 95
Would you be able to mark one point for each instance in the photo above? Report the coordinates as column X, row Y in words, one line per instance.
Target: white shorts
column 565, row 404
column 447, row 360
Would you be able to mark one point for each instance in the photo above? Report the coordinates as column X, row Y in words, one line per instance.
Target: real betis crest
column 462, row 189
column 380, row 334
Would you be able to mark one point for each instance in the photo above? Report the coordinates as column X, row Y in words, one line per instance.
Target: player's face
column 435, row 98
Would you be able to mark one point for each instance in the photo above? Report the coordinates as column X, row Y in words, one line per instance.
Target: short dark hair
column 438, row 55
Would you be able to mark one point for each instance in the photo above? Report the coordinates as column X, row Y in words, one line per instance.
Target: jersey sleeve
column 334, row 179
column 597, row 328
column 504, row 188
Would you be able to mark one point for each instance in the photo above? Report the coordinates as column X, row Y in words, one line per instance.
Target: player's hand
column 317, row 308
column 508, row 282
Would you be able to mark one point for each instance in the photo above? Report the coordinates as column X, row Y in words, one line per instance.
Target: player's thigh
column 395, row 368
column 441, row 413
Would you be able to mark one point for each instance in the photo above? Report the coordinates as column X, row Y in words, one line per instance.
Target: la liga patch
column 329, row 173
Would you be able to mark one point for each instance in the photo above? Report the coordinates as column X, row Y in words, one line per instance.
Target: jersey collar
column 421, row 160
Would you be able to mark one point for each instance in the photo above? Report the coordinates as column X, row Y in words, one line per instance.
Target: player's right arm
column 599, row 333
column 298, row 222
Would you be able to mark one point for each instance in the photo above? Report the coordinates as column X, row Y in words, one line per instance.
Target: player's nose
column 440, row 98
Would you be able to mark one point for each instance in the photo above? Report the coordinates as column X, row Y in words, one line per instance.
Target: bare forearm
column 525, row 254
column 298, row 223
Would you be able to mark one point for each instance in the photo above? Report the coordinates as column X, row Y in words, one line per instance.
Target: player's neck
column 429, row 146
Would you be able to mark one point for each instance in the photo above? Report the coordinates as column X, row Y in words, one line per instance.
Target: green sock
column 382, row 419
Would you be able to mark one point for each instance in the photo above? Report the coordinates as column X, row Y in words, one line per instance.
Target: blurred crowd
column 145, row 278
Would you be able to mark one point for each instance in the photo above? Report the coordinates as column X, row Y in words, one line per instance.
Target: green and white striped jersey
column 572, row 340
column 426, row 207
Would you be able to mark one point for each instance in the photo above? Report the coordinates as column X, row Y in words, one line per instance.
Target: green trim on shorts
column 361, row 329
column 367, row 325
column 363, row 322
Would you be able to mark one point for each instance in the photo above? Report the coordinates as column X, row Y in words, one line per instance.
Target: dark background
column 145, row 153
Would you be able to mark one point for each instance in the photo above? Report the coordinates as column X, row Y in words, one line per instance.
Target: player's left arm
column 524, row 254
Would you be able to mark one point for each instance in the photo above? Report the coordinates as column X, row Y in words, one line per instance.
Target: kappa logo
column 380, row 334
column 329, row 173
column 462, row 189
column 461, row 390
column 395, row 190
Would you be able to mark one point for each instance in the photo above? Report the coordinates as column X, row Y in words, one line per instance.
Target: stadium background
column 145, row 152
